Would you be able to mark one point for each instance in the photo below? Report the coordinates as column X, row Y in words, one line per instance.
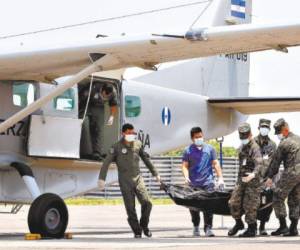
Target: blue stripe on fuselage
column 238, row 14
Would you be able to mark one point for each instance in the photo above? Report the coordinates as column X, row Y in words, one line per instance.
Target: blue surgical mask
column 264, row 131
column 245, row 141
column 199, row 142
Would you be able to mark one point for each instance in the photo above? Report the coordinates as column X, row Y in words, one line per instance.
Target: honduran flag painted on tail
column 238, row 8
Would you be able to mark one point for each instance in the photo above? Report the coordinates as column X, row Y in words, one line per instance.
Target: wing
column 251, row 105
column 49, row 62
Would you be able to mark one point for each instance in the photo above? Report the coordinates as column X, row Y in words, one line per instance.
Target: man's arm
column 107, row 161
column 258, row 165
column 113, row 104
column 258, row 161
column 146, row 159
column 274, row 147
column 275, row 163
column 113, row 110
column 185, row 171
column 217, row 168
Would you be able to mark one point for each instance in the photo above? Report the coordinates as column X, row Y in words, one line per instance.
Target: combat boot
column 136, row 229
column 250, row 232
column 293, row 231
column 239, row 225
column 262, row 229
column 283, row 229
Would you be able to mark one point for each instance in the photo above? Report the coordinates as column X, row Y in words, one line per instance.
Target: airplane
column 40, row 130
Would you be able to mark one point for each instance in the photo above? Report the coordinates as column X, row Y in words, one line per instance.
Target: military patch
column 112, row 151
column 124, row 151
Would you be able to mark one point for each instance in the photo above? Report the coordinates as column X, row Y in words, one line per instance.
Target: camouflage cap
column 264, row 123
column 244, row 130
column 279, row 124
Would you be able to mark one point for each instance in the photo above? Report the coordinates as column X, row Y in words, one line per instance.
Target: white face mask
column 280, row 137
column 264, row 131
column 245, row 141
column 130, row 138
column 199, row 142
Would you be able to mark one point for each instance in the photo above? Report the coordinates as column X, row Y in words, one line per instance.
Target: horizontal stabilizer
column 258, row 105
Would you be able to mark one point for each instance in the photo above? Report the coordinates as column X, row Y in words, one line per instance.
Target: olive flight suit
column 131, row 182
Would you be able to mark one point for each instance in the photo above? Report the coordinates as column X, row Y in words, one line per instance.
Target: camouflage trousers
column 131, row 188
column 245, row 198
column 288, row 186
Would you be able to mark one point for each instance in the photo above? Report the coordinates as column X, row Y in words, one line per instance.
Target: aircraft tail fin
column 225, row 12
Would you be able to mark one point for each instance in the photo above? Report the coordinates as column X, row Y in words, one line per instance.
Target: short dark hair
column 127, row 126
column 107, row 88
column 195, row 130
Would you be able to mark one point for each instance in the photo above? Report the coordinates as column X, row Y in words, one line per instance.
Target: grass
column 81, row 201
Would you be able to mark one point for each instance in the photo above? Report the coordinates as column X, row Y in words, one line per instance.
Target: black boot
column 147, row 232
column 293, row 231
column 250, row 232
column 136, row 229
column 262, row 229
column 239, row 225
column 283, row 229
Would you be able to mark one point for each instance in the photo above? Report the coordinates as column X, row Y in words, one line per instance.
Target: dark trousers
column 131, row 189
column 208, row 219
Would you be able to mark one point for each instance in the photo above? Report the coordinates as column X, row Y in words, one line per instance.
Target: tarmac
column 105, row 227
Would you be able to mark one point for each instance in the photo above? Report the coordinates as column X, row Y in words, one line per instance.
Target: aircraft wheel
column 48, row 216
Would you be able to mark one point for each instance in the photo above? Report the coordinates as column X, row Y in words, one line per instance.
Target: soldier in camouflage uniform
column 246, row 195
column 288, row 186
column 126, row 154
column 267, row 148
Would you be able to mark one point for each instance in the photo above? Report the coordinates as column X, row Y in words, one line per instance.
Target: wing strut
column 92, row 68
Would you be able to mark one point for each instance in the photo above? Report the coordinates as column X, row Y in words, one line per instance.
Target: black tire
column 48, row 216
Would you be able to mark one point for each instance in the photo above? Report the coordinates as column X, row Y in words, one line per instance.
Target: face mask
column 264, row 131
column 280, row 137
column 130, row 138
column 245, row 141
column 199, row 142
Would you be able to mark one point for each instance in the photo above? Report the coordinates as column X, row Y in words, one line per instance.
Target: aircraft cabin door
column 56, row 131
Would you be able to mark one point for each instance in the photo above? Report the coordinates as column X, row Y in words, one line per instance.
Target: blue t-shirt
column 200, row 165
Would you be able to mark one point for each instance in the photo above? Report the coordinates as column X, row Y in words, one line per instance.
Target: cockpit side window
column 23, row 94
column 133, row 106
column 66, row 101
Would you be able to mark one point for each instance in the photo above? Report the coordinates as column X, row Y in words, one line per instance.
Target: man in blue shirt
column 199, row 160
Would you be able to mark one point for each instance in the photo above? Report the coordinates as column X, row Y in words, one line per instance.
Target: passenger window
column 132, row 106
column 23, row 94
column 65, row 102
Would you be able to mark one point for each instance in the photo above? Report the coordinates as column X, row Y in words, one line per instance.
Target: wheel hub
column 52, row 218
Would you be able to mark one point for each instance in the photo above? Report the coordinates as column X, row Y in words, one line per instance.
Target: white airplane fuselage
column 49, row 140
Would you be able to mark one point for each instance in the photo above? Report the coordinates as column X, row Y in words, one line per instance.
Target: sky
column 272, row 73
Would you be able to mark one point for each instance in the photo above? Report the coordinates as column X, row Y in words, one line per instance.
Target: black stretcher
column 215, row 201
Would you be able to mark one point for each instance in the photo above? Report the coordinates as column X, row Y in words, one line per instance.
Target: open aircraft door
column 56, row 131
